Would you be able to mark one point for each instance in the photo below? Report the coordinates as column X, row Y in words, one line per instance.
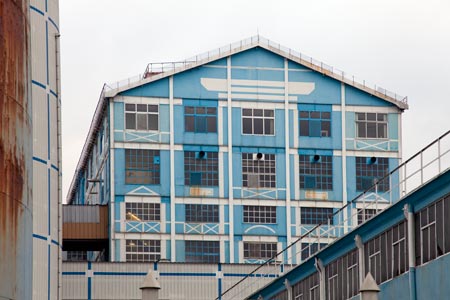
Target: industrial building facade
column 231, row 157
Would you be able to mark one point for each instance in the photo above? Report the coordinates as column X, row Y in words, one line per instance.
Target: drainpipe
column 320, row 268
column 360, row 246
column 288, row 286
column 150, row 287
column 409, row 215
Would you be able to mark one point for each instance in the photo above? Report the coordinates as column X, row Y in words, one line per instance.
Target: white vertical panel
column 44, row 21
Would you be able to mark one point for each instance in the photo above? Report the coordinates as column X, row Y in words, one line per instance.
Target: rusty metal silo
column 15, row 152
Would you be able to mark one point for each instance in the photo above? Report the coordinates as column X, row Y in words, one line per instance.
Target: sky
column 402, row 46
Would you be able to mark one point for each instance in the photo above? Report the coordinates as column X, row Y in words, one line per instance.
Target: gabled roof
column 158, row 71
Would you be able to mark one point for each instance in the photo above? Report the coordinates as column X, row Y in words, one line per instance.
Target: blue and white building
column 231, row 156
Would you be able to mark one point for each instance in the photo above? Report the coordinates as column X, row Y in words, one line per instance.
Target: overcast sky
column 401, row 45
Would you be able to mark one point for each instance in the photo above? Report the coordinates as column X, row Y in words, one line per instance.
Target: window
column 316, row 172
column 143, row 250
column 315, row 123
column 141, row 166
column 141, row 116
column 432, row 231
column 309, row 249
column 315, row 215
column 386, row 255
column 260, row 214
column 200, row 119
column 75, row 255
column 254, row 250
column 202, row 213
column 307, row 289
column 201, row 168
column 258, row 170
column 365, row 214
column 258, row 121
column 142, row 212
column 341, row 277
column 369, row 170
column 371, row 125
column 202, row 251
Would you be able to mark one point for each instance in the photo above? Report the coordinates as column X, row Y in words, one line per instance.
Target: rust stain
column 15, row 134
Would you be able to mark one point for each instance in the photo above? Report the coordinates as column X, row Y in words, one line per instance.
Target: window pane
column 247, row 126
column 189, row 110
column 141, row 122
column 326, row 129
column 361, row 130
column 268, row 126
column 200, row 124
column 130, row 121
column 189, row 124
column 371, row 116
column 381, row 117
column 258, row 126
column 130, row 107
column 326, row 115
column 268, row 113
column 371, row 130
column 142, row 107
column 257, row 112
column 246, row 112
column 152, row 122
column 200, row 110
column 211, row 111
column 382, row 131
column 314, row 129
column 304, row 114
column 360, row 116
column 304, row 128
column 315, row 115
column 212, row 124
column 153, row 108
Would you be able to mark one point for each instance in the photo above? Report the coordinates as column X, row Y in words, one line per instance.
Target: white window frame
column 252, row 117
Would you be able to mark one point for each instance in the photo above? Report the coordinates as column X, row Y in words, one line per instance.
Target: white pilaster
column 112, row 220
column 344, row 158
column 172, row 172
column 287, row 155
column 230, row 161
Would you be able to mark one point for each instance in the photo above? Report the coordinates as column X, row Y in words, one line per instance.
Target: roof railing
column 154, row 69
column 418, row 170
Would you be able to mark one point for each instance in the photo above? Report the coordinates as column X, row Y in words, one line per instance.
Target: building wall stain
column 15, row 149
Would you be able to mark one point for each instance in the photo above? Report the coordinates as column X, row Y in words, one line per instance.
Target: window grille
column 316, row 172
column 202, row 171
column 316, row 215
column 309, row 249
column 143, row 250
column 141, row 166
column 367, row 173
column 202, row 251
column 260, row 214
column 259, row 250
column 365, row 214
column 202, row 213
column 142, row 212
column 258, row 172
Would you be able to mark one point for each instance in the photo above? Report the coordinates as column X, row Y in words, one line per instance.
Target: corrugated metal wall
column 85, row 222
column 15, row 151
column 178, row 280
column 45, row 85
